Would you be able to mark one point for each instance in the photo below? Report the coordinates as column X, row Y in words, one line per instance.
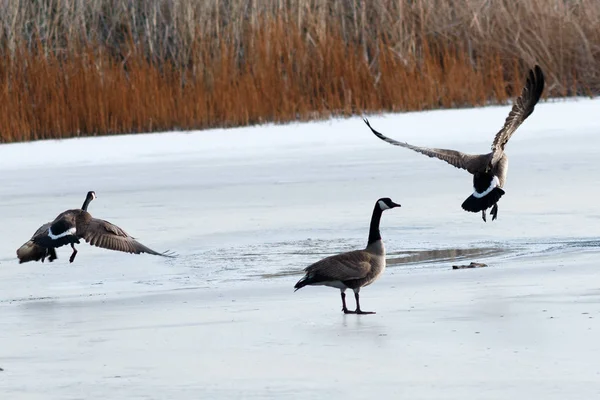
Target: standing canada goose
column 489, row 170
column 72, row 225
column 354, row 269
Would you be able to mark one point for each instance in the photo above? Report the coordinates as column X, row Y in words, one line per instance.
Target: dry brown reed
column 78, row 67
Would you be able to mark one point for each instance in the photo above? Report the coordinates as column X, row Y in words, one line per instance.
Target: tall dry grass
column 79, row 67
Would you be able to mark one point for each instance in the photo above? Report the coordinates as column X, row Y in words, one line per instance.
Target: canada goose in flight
column 72, row 225
column 489, row 170
column 354, row 269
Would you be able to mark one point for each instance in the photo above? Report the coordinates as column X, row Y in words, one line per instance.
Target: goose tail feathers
column 33, row 252
column 477, row 204
column 302, row 282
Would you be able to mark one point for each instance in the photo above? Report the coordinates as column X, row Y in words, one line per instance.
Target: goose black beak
column 394, row 205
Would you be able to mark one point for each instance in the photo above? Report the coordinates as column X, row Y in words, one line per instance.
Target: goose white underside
column 334, row 284
column 495, row 182
column 68, row 232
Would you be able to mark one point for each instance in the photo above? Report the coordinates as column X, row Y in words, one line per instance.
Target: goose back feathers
column 350, row 270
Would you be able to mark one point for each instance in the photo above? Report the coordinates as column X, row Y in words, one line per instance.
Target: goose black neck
column 374, row 234
column 86, row 203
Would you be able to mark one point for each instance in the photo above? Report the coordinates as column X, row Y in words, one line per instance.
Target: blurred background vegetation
column 81, row 67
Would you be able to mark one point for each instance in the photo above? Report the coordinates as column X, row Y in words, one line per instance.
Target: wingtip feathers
column 536, row 83
column 169, row 254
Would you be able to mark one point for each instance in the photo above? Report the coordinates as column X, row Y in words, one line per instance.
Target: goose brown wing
column 455, row 158
column 522, row 108
column 103, row 234
column 42, row 230
column 341, row 267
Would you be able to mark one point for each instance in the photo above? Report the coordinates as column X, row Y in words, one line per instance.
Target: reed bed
column 78, row 67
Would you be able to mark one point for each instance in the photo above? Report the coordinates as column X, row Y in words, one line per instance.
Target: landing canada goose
column 489, row 170
column 72, row 225
column 354, row 269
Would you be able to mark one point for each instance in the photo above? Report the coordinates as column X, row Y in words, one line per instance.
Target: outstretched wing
column 341, row 267
column 522, row 108
column 471, row 163
column 103, row 234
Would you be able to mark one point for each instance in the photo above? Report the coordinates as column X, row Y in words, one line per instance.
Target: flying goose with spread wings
column 70, row 226
column 488, row 170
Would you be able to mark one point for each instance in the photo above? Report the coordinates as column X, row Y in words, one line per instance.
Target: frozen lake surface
column 247, row 209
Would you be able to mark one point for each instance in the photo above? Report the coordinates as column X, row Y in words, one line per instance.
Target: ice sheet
column 246, row 209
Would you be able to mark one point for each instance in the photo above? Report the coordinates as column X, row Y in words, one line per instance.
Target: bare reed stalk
column 79, row 67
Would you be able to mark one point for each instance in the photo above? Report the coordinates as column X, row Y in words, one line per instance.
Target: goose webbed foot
column 72, row 258
column 494, row 212
column 364, row 312
column 483, row 216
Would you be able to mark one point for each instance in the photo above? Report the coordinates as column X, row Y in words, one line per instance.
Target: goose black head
column 91, row 195
column 386, row 203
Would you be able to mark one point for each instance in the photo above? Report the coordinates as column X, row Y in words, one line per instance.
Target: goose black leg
column 344, row 308
column 358, row 310
column 52, row 252
column 494, row 212
column 72, row 258
column 483, row 215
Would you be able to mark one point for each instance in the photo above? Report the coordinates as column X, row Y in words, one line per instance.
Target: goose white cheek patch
column 68, row 232
column 495, row 182
column 382, row 205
